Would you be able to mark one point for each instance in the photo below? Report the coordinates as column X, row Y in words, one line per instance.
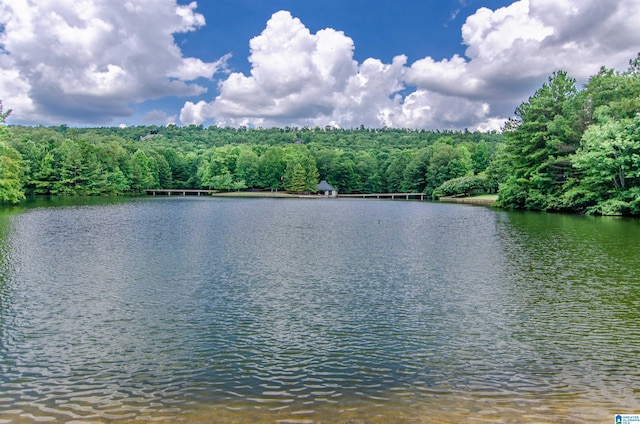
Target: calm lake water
column 312, row 310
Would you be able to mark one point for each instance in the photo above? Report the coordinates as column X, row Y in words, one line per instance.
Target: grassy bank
column 482, row 199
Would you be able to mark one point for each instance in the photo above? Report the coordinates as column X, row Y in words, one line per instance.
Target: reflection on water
column 265, row 310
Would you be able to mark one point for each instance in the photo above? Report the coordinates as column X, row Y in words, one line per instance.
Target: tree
column 610, row 153
column 78, row 168
column 272, row 166
column 179, row 167
column 367, row 170
column 461, row 186
column 114, row 162
column 446, row 163
column 394, row 173
column 238, row 185
column 311, row 174
column 295, row 179
column 3, row 114
column 63, row 160
column 247, row 167
column 301, row 173
column 609, row 160
column 606, row 163
column 213, row 166
column 10, row 170
column 165, row 178
column 222, row 182
column 544, row 131
column 338, row 168
column 343, row 173
column 480, row 157
column 47, row 175
column 415, row 173
column 324, row 161
column 140, row 171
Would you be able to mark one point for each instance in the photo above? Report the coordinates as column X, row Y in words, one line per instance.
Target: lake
column 199, row 309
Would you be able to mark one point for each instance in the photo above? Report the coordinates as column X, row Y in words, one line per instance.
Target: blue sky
column 379, row 28
column 402, row 63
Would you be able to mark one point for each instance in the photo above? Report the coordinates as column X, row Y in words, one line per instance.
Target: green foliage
column 609, row 157
column 446, row 163
column 395, row 171
column 338, row 167
column 610, row 207
column 271, row 168
column 462, row 186
column 367, row 170
column 481, row 157
column 79, row 169
column 415, row 172
column 247, row 169
column 537, row 143
column 222, row 182
column 574, row 151
column 10, row 169
column 3, row 114
column 301, row 173
column 104, row 161
column 47, row 175
column 295, row 178
column 141, row 172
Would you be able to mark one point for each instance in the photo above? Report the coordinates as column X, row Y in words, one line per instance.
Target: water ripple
column 203, row 310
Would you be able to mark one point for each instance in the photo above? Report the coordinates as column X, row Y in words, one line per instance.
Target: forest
column 105, row 161
column 565, row 149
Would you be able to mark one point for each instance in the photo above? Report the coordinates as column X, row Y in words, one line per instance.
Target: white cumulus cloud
column 512, row 51
column 88, row 60
column 301, row 78
column 295, row 76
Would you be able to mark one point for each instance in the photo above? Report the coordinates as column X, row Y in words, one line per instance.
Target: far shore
column 483, row 199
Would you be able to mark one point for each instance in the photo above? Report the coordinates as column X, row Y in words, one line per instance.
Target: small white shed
column 326, row 189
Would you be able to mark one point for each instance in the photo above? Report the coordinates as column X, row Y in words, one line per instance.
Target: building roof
column 324, row 186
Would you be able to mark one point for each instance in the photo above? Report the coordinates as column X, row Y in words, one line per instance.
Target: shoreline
column 477, row 200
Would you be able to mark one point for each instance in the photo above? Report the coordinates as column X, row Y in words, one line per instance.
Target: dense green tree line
column 104, row 161
column 571, row 150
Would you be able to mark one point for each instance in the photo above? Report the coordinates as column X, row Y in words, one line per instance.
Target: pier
column 179, row 192
column 393, row 196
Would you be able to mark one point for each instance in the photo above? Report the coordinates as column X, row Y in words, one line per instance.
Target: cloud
column 196, row 113
column 87, row 60
column 295, row 75
column 511, row 51
column 302, row 78
column 158, row 117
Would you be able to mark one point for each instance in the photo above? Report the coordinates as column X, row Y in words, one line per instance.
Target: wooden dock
column 393, row 196
column 179, row 192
